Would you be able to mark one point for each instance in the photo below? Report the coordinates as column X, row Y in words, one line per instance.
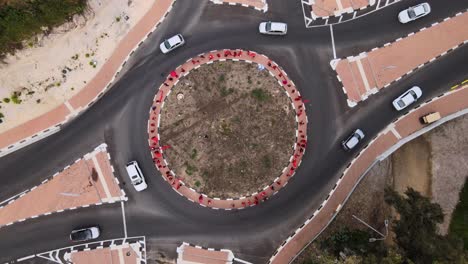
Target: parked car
column 353, row 139
column 414, row 12
column 430, row 118
column 407, row 98
column 85, row 234
column 136, row 177
column 273, row 28
column 172, row 43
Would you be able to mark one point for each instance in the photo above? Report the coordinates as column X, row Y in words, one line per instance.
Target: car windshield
column 82, row 235
column 411, row 13
column 268, row 26
column 166, row 44
column 401, row 103
column 413, row 94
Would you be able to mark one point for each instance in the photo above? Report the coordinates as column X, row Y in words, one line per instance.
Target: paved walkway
column 326, row 8
column 369, row 72
column 89, row 181
column 260, row 5
column 94, row 89
column 449, row 103
column 188, row 254
column 267, row 191
column 116, row 254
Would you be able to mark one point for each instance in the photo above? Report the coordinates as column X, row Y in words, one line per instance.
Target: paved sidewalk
column 95, row 88
column 369, row 72
column 121, row 254
column 283, row 177
column 188, row 254
column 326, row 8
column 89, row 181
column 260, row 5
column 448, row 104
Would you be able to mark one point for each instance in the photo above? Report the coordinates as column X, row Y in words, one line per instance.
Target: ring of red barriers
column 157, row 151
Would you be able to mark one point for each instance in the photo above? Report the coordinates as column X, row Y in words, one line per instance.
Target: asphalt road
column 120, row 119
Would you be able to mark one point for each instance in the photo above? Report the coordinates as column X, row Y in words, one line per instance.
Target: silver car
column 414, row 12
column 407, row 98
column 273, row 28
column 353, row 139
column 172, row 43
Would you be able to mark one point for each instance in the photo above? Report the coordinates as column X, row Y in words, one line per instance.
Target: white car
column 414, row 12
column 136, row 177
column 273, row 28
column 353, row 139
column 172, row 43
column 85, row 234
column 407, row 98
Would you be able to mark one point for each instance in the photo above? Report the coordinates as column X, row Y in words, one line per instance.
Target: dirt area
column 57, row 64
column 434, row 164
column 412, row 166
column 230, row 127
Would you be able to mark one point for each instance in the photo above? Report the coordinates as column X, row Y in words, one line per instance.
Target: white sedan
column 273, row 28
column 414, row 12
column 172, row 43
column 136, row 176
column 407, row 98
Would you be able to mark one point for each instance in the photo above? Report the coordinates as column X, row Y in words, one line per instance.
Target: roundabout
column 211, row 118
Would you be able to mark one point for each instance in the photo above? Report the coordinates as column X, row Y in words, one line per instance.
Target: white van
column 136, row 177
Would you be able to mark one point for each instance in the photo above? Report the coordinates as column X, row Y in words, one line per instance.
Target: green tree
column 416, row 229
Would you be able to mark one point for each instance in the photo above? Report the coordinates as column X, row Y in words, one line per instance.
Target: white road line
column 102, row 178
column 363, row 74
column 386, row 3
column 378, row 3
column 121, row 256
column 13, row 197
column 340, row 6
column 123, row 217
column 333, row 41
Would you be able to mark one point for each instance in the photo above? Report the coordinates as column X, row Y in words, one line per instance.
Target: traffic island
column 228, row 128
column 230, row 134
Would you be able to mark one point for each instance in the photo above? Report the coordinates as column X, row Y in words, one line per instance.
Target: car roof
column 419, row 9
column 353, row 141
column 174, row 40
column 131, row 169
column 277, row 26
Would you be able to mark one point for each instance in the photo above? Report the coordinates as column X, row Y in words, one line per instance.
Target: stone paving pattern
column 71, row 188
column 326, row 8
column 369, row 72
column 113, row 254
column 301, row 133
column 450, row 103
column 96, row 85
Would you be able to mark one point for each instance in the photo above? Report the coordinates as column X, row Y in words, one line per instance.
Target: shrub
column 260, row 95
column 22, row 20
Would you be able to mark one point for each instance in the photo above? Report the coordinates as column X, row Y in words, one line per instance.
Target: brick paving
column 299, row 148
column 368, row 72
column 97, row 85
column 122, row 254
column 71, row 188
column 325, row 8
column 447, row 104
column 257, row 4
column 192, row 255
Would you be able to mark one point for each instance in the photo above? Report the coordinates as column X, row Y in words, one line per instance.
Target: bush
column 24, row 19
column 459, row 223
column 260, row 95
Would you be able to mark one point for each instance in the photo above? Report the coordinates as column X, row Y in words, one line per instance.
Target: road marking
column 123, row 217
column 363, row 74
column 102, row 178
column 378, row 3
column 340, row 6
column 333, row 41
column 121, row 255
column 465, row 81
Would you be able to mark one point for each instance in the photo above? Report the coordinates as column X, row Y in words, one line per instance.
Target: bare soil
column 230, row 127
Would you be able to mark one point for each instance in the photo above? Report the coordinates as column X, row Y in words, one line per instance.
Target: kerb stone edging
column 38, row 134
column 376, row 160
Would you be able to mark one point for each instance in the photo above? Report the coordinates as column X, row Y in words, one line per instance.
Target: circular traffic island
column 228, row 129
